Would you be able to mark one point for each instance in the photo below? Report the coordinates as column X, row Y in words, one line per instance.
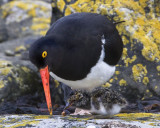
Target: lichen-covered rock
column 16, row 80
column 3, row 31
column 137, row 120
column 25, row 17
column 138, row 72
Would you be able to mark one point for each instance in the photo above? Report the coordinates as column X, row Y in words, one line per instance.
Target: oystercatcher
column 80, row 50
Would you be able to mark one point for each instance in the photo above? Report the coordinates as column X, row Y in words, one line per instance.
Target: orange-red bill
column 45, row 80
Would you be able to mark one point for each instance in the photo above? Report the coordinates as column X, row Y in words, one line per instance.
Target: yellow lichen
column 147, row 91
column 1, row 84
column 42, row 20
column 158, row 68
column 5, row 71
column 20, row 48
column 125, row 40
column 25, row 69
column 107, row 85
column 139, row 71
column 9, row 79
column 61, row 5
column 43, row 33
column 137, row 116
column 122, row 82
column 130, row 60
column 111, row 80
column 56, row 83
column 4, row 63
column 42, row 117
column 32, row 12
column 39, row 26
column 117, row 72
column 31, row 9
column 23, row 123
column 145, row 80
column 155, row 87
column 124, row 53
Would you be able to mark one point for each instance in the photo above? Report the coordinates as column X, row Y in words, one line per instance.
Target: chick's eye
column 44, row 54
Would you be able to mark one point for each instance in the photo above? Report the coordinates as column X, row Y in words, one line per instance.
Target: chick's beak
column 45, row 80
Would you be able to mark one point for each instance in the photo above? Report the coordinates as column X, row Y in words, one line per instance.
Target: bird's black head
column 44, row 52
column 38, row 53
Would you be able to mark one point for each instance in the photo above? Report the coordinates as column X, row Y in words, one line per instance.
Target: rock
column 142, row 120
column 137, row 74
column 3, row 30
column 9, row 53
column 16, row 80
column 23, row 18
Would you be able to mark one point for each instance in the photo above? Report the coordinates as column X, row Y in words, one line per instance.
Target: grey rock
column 9, row 53
column 40, row 121
column 3, row 29
column 22, row 18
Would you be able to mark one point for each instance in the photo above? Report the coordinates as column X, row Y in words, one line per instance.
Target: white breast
column 99, row 74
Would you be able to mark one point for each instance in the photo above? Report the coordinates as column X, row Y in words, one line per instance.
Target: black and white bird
column 101, row 101
column 80, row 50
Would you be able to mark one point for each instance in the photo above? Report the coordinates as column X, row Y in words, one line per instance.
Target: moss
column 122, row 82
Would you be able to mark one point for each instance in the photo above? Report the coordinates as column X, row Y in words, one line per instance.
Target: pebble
column 91, row 126
column 9, row 53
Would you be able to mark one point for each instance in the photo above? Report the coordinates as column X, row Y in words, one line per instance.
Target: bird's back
column 81, row 36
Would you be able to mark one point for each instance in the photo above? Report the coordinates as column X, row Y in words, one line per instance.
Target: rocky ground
column 141, row 120
column 136, row 77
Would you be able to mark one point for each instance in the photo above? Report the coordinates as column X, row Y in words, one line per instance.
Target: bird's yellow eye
column 44, row 54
